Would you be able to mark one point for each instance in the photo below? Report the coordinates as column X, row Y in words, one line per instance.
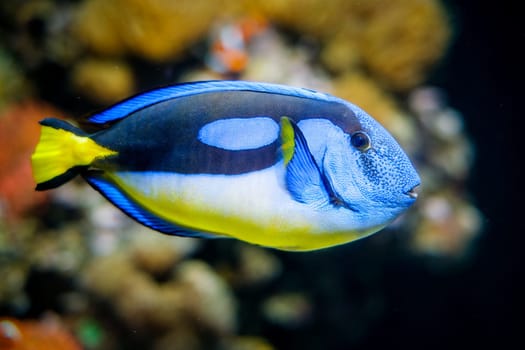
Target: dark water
column 482, row 302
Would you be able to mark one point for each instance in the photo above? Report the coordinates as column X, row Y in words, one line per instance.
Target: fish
column 273, row 165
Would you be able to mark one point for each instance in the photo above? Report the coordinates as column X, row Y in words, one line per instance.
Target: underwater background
column 442, row 76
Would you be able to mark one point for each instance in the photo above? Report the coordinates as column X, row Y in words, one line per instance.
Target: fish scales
column 273, row 165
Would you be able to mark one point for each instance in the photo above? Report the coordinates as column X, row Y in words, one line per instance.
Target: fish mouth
column 413, row 192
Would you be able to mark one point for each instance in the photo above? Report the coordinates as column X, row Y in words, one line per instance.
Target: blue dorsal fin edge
column 135, row 211
column 148, row 98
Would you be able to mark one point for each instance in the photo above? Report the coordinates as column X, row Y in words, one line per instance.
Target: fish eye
column 360, row 140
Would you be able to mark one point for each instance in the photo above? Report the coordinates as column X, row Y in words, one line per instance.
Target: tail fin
column 62, row 152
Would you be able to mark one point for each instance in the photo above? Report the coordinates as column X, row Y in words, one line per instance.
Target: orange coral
column 26, row 335
column 19, row 133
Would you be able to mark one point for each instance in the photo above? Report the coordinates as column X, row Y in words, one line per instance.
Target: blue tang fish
column 273, row 165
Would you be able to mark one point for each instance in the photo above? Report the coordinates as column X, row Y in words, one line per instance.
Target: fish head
column 369, row 171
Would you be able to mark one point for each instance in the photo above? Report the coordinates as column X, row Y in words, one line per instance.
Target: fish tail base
column 62, row 152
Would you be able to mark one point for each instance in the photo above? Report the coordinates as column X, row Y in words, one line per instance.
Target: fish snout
column 413, row 192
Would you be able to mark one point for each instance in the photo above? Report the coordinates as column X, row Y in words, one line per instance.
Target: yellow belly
column 250, row 207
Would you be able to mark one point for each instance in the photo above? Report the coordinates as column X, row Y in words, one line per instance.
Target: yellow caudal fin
column 61, row 152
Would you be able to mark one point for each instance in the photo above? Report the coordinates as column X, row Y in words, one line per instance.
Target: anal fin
column 116, row 196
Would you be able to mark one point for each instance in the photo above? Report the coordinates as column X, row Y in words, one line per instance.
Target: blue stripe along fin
column 140, row 101
column 135, row 211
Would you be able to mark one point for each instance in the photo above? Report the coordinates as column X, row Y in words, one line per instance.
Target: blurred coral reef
column 105, row 81
column 154, row 29
column 47, row 334
column 19, row 133
column 114, row 284
column 14, row 86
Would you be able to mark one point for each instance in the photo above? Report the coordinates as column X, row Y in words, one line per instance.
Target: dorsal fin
column 140, row 101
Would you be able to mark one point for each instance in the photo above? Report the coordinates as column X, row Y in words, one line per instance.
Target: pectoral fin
column 303, row 179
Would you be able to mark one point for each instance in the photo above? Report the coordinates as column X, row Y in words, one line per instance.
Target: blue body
column 274, row 165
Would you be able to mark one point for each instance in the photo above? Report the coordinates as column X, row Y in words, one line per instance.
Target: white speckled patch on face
column 237, row 134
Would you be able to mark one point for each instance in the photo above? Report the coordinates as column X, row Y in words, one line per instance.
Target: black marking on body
column 163, row 137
